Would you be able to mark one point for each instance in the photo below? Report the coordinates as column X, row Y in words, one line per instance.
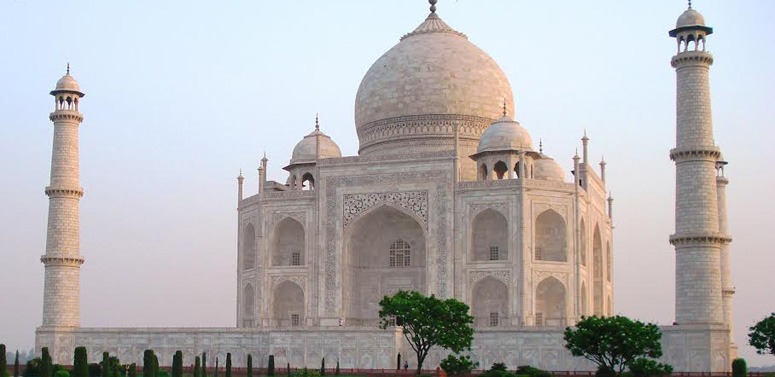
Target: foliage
column 498, row 370
column 105, row 372
column 132, row 372
column 216, row 367
column 762, row 336
column 80, row 362
column 204, row 364
column 249, row 371
column 3, row 362
column 148, row 357
column 270, row 366
column 32, row 368
column 428, row 321
column 46, row 367
column 336, row 371
column 62, row 373
column 198, row 367
column 304, row 372
column 323, row 366
column 228, row 364
column 613, row 342
column 177, row 364
column 458, row 365
column 644, row 367
column 398, row 361
column 739, row 368
column 531, row 371
column 288, row 370
column 16, row 365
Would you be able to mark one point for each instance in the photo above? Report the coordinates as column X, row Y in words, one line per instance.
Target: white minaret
column 697, row 238
column 61, row 293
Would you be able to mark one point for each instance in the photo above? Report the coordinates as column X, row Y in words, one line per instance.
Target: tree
column 216, row 367
column 204, row 364
column 458, row 365
column 336, row 371
column 249, row 371
column 613, row 342
column 16, row 365
column 762, row 336
column 197, row 367
column 398, row 362
column 46, row 366
column 105, row 365
column 132, row 372
column 80, row 363
column 428, row 321
column 148, row 368
column 3, row 362
column 228, row 364
column 177, row 364
column 739, row 368
column 323, row 366
column 270, row 366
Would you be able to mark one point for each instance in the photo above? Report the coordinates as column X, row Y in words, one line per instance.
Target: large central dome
column 414, row 94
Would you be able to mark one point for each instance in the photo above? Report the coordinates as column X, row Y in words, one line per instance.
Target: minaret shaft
column 697, row 239
column 62, row 260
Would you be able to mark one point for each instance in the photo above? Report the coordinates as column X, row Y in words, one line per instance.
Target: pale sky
column 183, row 94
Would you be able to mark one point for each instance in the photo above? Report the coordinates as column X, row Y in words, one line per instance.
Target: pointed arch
column 249, row 249
column 551, row 237
column 308, row 181
column 501, row 169
column 490, row 303
column 248, row 301
column 288, row 243
column 550, row 303
column 288, row 305
column 483, row 172
column 489, row 236
column 597, row 271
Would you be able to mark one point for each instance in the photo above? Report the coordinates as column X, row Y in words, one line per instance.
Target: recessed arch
column 583, row 243
column 489, row 236
column 288, row 305
column 248, row 301
column 308, row 181
column 490, row 303
column 249, row 250
column 483, row 172
column 609, row 263
column 288, row 243
column 550, row 303
column 551, row 242
column 597, row 271
column 368, row 274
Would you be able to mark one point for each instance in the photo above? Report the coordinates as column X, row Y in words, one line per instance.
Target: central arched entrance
column 385, row 252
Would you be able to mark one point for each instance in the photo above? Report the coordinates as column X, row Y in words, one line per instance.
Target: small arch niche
column 288, row 243
column 551, row 242
column 490, row 236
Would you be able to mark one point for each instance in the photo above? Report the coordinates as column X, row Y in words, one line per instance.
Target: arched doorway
column 550, row 237
column 550, row 303
column 490, row 236
column 288, row 243
column 288, row 305
column 489, row 303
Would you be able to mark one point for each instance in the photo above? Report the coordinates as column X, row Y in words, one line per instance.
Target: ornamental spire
column 690, row 4
column 317, row 121
column 433, row 5
column 68, row 68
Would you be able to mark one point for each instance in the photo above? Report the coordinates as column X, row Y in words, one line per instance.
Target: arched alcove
column 483, row 172
column 288, row 305
column 609, row 263
column 597, row 271
column 550, row 303
column 385, row 252
column 248, row 301
column 583, row 243
column 249, row 247
column 490, row 303
column 288, row 243
column 490, row 236
column 501, row 169
column 550, row 237
column 308, row 181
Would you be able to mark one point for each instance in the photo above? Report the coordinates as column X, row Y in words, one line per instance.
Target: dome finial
column 433, row 5
column 540, row 146
column 68, row 68
column 690, row 4
column 317, row 121
column 505, row 113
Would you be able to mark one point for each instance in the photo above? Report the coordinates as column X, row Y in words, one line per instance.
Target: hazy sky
column 181, row 95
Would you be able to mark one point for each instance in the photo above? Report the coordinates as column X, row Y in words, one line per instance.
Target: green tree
column 148, row 357
column 288, row 370
column 739, row 368
column 228, row 364
column 249, row 371
column 428, row 321
column 270, row 366
column 336, row 371
column 132, row 371
column 177, row 364
column 762, row 336
column 197, row 367
column 204, row 364
column 3, row 362
column 16, row 365
column 323, row 366
column 80, row 363
column 644, row 367
column 613, row 342
column 46, row 366
column 458, row 365
column 105, row 365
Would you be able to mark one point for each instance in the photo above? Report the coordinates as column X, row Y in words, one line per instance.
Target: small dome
column 690, row 18
column 548, row 169
column 306, row 151
column 68, row 83
column 504, row 135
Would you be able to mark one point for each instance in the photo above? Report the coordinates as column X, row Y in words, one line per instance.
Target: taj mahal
column 448, row 195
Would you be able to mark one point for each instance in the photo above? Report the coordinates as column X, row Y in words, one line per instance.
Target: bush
column 458, row 365
column 604, row 371
column 33, row 368
column 644, row 367
column 62, row 373
column 528, row 370
column 739, row 368
column 304, row 372
column 270, row 367
column 498, row 370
